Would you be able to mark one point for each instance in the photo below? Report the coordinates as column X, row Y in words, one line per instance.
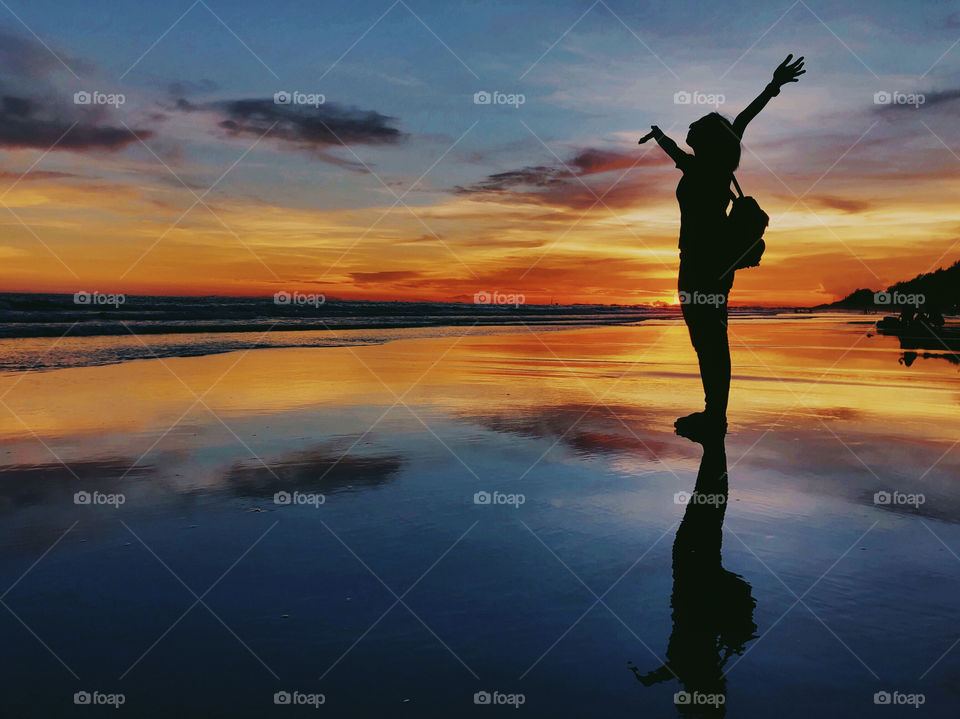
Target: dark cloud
column 842, row 204
column 24, row 58
column 565, row 184
column 941, row 96
column 35, row 175
column 326, row 125
column 930, row 99
column 300, row 126
column 530, row 176
column 319, row 130
column 36, row 108
column 592, row 161
column 586, row 162
column 26, row 122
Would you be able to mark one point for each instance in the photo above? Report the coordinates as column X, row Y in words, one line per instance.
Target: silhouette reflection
column 712, row 607
column 909, row 358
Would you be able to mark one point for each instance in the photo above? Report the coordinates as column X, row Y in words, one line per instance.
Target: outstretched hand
column 654, row 131
column 788, row 71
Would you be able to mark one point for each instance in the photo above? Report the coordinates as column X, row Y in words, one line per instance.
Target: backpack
column 746, row 224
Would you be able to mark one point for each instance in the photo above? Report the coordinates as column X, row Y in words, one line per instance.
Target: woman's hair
column 718, row 144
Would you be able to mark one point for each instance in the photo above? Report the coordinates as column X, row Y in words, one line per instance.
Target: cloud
column 316, row 129
column 36, row 111
column 29, row 123
column 930, row 99
column 36, row 175
column 593, row 161
column 941, row 96
column 24, row 58
column 842, row 204
column 300, row 126
column 530, row 176
column 564, row 184
column 586, row 162
column 326, row 125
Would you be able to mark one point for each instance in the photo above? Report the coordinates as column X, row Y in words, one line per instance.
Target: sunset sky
column 400, row 186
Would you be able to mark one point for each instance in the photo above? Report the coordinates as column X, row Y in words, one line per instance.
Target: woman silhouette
column 704, row 280
column 713, row 608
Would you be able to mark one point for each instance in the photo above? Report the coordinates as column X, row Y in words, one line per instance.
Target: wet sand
column 384, row 586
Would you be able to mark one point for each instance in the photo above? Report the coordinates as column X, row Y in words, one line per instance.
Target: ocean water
column 46, row 331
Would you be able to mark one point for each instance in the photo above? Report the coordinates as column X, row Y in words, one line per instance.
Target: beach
column 397, row 526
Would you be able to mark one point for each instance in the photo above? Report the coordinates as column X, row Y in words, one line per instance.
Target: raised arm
column 786, row 72
column 678, row 156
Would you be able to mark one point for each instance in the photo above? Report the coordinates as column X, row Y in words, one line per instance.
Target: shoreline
column 126, row 342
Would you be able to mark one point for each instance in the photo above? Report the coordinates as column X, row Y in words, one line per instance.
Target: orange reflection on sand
column 781, row 366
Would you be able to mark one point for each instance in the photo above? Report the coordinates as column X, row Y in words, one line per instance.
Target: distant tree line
column 940, row 291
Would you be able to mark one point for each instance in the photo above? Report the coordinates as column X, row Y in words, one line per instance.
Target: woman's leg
column 717, row 367
column 707, row 325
